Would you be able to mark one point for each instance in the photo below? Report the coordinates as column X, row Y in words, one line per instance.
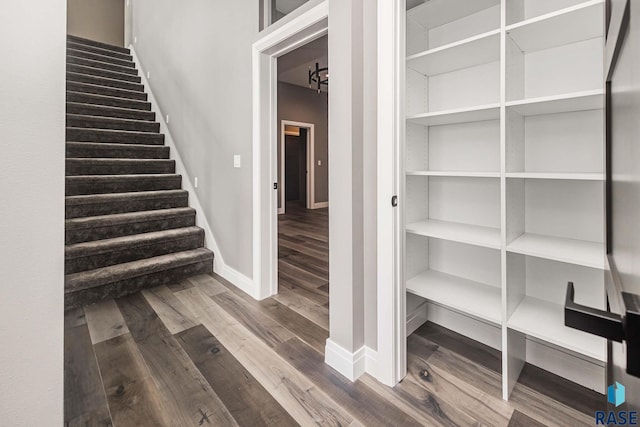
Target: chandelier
column 318, row 77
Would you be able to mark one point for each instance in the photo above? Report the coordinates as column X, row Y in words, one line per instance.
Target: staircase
column 128, row 224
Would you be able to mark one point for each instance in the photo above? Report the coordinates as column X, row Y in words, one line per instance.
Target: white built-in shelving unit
column 504, row 196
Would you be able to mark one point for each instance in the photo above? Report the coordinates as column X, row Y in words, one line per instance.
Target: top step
column 80, row 40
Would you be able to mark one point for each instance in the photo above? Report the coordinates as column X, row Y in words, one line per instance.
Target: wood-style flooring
column 202, row 353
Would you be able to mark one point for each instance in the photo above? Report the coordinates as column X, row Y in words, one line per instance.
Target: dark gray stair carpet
column 109, row 226
column 116, row 151
column 101, row 64
column 104, row 253
column 104, row 81
column 99, row 50
column 128, row 223
column 99, row 72
column 119, row 280
column 110, row 59
column 89, row 42
column 105, row 184
column 107, row 101
column 113, row 123
column 119, row 166
column 110, row 135
column 106, row 204
column 106, row 111
column 106, row 91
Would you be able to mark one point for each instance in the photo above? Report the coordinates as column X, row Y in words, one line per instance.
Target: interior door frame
column 311, row 160
column 279, row 39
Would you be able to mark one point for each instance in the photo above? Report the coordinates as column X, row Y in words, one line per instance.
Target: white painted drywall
column 198, row 53
column 32, row 84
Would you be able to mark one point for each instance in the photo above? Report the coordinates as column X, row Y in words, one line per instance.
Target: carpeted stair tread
column 106, row 204
column 99, row 50
column 85, row 41
column 113, row 123
column 102, row 276
column 115, row 136
column 115, row 151
column 124, row 224
column 104, row 81
column 101, row 65
column 107, row 101
column 106, row 91
column 106, row 111
column 104, row 184
column 99, row 72
column 101, row 58
column 103, row 253
column 97, row 166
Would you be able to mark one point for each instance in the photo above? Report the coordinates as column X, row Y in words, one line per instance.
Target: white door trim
column 307, row 27
column 391, row 354
column 311, row 160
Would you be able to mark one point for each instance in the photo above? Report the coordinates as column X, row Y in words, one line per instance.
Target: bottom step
column 116, row 281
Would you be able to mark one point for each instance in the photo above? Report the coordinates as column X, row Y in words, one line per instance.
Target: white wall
column 198, row 53
column 32, row 83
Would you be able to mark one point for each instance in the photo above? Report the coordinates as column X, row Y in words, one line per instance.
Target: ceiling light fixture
column 318, row 77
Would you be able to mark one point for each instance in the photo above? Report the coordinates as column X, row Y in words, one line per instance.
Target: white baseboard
column 241, row 281
column 371, row 357
column 320, row 205
column 194, row 202
column 351, row 365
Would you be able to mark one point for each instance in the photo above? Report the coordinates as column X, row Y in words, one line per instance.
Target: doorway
column 295, row 165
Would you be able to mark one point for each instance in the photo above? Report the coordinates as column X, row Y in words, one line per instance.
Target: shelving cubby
column 535, row 307
column 504, row 176
column 472, row 287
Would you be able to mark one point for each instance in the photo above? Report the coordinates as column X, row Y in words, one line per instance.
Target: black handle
column 597, row 322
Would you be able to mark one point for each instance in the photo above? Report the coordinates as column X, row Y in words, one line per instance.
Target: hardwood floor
column 201, row 352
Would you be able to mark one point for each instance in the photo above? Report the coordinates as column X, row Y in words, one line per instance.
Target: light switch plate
column 236, row 161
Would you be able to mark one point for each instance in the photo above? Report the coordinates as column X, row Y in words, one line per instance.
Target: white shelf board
column 466, row 53
column 545, row 321
column 572, row 251
column 463, row 174
column 434, row 13
column 460, row 115
column 579, row 101
column 577, row 176
column 473, row 298
column 566, row 26
column 488, row 237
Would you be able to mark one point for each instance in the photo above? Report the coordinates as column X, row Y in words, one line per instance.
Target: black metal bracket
column 597, row 322
column 394, row 201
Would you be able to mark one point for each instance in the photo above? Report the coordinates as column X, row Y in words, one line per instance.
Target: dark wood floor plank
column 304, row 307
column 173, row 313
column 518, row 419
column 300, row 326
column 486, row 409
column 85, row 401
column 254, row 319
column 315, row 295
column 303, row 400
column 469, row 372
column 367, row 406
column 248, row 402
column 105, row 321
column 187, row 396
column 562, row 390
column 134, row 399
column 473, row 350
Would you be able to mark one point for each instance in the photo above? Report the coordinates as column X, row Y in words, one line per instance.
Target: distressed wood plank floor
column 202, row 353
